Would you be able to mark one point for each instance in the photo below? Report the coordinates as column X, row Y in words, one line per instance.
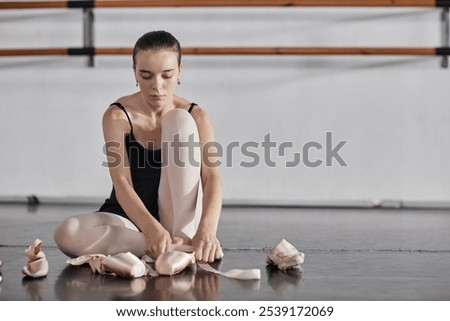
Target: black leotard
column 145, row 168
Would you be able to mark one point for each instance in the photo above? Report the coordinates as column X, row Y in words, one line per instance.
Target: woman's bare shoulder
column 113, row 112
column 196, row 112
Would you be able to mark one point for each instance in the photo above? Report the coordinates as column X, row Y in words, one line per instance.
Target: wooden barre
column 417, row 51
column 220, row 3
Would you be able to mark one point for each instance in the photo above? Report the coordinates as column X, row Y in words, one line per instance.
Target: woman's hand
column 157, row 241
column 206, row 246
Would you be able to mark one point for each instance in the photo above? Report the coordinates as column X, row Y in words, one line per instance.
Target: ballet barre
column 221, row 3
column 224, row 51
column 90, row 50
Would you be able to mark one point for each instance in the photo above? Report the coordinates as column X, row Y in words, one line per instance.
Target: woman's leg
column 98, row 233
column 180, row 191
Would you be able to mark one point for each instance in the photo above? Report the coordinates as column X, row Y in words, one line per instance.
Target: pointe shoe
column 123, row 264
column 170, row 263
column 285, row 256
column 37, row 264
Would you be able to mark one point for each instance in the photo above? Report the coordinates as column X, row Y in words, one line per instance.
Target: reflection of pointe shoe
column 37, row 264
column 178, row 284
column 77, row 283
column 284, row 281
column 35, row 288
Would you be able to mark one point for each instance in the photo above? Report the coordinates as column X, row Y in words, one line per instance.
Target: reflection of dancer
column 163, row 192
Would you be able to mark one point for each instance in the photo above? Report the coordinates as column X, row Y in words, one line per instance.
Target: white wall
column 392, row 111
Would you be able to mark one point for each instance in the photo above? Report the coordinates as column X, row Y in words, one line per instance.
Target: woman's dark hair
column 157, row 40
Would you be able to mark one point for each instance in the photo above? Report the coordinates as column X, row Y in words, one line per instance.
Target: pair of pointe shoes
column 37, row 264
column 130, row 266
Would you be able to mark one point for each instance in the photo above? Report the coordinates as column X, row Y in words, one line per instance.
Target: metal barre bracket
column 445, row 22
column 88, row 33
column 80, row 4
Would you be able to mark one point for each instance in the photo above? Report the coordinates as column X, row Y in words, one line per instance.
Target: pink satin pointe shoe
column 37, row 264
column 285, row 256
column 123, row 264
column 170, row 263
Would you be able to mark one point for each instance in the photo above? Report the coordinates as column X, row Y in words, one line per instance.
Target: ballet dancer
column 165, row 190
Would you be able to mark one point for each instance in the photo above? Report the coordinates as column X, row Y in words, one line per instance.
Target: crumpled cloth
column 168, row 263
column 285, row 256
column 37, row 264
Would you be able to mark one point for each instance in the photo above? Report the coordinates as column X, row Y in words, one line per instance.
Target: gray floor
column 351, row 254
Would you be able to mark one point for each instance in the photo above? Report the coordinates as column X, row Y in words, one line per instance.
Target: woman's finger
column 199, row 251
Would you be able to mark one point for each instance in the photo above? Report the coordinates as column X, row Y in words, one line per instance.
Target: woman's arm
column 115, row 128
column 207, row 247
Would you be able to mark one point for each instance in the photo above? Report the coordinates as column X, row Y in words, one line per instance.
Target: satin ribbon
column 252, row 274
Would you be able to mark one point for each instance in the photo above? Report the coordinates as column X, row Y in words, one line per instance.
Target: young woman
column 163, row 191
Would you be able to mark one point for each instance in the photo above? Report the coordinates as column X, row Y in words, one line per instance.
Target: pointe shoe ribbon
column 251, row 274
column 37, row 264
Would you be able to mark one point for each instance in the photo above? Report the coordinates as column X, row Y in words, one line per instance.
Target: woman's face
column 157, row 72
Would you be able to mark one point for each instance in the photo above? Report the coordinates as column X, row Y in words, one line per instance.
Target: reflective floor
column 351, row 254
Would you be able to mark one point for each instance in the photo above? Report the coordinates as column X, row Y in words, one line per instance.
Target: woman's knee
column 178, row 120
column 66, row 233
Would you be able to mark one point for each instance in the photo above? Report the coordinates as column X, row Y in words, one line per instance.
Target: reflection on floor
column 351, row 254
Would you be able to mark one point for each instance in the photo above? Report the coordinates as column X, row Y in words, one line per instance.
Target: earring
column 179, row 82
column 137, row 84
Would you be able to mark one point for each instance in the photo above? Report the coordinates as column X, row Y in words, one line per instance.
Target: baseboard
column 34, row 200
